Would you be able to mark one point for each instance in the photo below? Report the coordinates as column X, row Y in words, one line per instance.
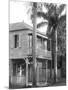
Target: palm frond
column 49, row 31
column 63, row 17
column 42, row 14
column 60, row 8
column 41, row 24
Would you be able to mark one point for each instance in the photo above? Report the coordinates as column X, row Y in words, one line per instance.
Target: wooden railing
column 41, row 53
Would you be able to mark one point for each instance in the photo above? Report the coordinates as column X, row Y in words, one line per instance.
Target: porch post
column 10, row 72
column 46, row 71
column 26, row 71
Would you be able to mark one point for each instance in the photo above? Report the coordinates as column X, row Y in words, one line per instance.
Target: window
column 42, row 43
column 45, row 43
column 16, row 41
column 49, row 64
column 14, row 69
column 30, row 41
column 39, row 42
column 19, row 69
column 49, row 45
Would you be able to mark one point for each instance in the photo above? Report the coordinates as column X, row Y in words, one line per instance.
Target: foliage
column 56, row 21
column 62, row 36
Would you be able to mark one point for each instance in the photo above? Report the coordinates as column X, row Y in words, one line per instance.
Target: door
column 41, row 72
column 30, row 72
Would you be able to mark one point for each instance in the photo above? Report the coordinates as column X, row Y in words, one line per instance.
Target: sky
column 18, row 13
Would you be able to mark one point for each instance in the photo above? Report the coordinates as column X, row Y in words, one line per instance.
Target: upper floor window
column 45, row 44
column 30, row 41
column 49, row 45
column 16, row 41
column 41, row 43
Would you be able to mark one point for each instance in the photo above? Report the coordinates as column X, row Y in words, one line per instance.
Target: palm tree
column 53, row 16
column 33, row 10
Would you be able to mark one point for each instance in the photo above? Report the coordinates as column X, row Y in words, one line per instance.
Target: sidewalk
column 60, row 82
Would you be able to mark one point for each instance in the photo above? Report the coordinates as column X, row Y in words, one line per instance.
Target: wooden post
column 34, row 43
column 46, row 71
column 26, row 72
column 10, row 72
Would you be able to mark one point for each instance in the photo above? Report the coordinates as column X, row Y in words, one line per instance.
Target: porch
column 21, row 73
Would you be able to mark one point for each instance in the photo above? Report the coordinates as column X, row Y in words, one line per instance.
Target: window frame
column 30, row 40
column 16, row 41
column 49, row 44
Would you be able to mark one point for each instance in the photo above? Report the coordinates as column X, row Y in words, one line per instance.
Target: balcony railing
column 41, row 53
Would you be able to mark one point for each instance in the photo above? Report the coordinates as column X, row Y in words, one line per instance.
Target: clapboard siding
column 23, row 48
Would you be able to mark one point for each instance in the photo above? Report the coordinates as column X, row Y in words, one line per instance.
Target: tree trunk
column 55, row 56
column 51, row 60
column 54, row 53
column 52, row 49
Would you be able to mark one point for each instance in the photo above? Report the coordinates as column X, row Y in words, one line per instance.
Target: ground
column 60, row 82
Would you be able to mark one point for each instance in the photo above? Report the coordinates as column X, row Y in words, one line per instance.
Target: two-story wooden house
column 20, row 55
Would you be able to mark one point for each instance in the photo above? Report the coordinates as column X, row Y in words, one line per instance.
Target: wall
column 23, row 49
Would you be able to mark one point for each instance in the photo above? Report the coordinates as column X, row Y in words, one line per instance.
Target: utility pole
column 34, row 42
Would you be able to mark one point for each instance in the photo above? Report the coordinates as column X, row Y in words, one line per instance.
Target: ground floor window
column 19, row 68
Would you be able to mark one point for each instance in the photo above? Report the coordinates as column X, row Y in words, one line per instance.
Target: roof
column 21, row 26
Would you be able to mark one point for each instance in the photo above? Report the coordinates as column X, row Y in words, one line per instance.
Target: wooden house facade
column 20, row 56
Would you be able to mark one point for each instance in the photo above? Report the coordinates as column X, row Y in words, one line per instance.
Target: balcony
column 41, row 53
